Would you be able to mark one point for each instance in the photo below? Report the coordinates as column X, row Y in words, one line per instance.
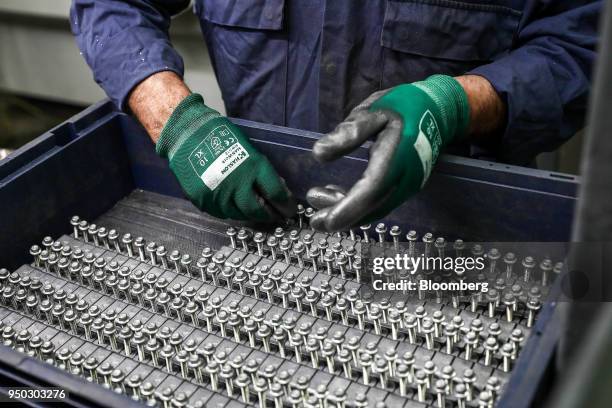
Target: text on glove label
column 427, row 144
column 217, row 156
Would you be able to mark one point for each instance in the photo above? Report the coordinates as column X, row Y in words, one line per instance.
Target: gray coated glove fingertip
column 317, row 221
column 322, row 197
column 321, row 151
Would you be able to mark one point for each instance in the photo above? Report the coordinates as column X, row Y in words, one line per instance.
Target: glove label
column 217, row 156
column 427, row 144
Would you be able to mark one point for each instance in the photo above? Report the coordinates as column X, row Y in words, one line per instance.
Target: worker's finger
column 335, row 188
column 250, row 204
column 232, row 212
column 317, row 220
column 382, row 208
column 321, row 197
column 271, row 211
column 366, row 103
column 226, row 207
column 368, row 190
column 350, row 134
column 359, row 125
column 273, row 188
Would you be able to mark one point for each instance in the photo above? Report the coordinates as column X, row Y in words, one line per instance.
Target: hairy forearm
column 487, row 110
column 153, row 100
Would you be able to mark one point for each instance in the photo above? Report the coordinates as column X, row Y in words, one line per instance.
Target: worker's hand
column 410, row 123
column 217, row 167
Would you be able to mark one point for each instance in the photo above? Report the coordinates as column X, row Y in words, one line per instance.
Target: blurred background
column 44, row 80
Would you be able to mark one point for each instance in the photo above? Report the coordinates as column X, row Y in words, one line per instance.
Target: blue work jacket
column 307, row 63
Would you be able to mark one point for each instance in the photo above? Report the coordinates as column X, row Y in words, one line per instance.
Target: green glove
column 411, row 124
column 217, row 167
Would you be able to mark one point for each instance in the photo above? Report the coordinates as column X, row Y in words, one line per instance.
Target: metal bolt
column 175, row 257
column 300, row 213
column 485, row 400
column 133, row 383
column 509, row 260
column 242, row 381
column 103, row 237
column 507, row 352
column 231, row 233
column 491, row 346
column 421, row 380
column 429, row 368
column 93, row 234
column 461, row 395
column 533, row 305
column 395, row 233
column 259, row 239
column 492, row 299
column 113, row 242
column 528, row 265
column 83, row 227
column 516, row 338
column 284, row 246
column 546, row 266
column 272, row 244
column 243, row 236
column 185, row 264
column 509, row 302
column 440, row 388
column 151, row 249
column 381, row 230
column 74, row 221
column 364, row 231
column 139, row 243
column 127, row 241
column 195, row 365
column 35, row 252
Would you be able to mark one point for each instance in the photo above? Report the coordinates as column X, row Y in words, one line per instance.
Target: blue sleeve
column 545, row 79
column 124, row 42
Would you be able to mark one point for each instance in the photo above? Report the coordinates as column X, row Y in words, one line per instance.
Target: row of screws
column 382, row 317
column 301, row 293
column 186, row 355
column 219, row 272
column 292, row 246
column 345, row 260
column 210, row 310
column 236, row 372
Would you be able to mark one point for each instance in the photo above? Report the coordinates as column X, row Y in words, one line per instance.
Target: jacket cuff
column 122, row 61
column 189, row 116
column 452, row 100
column 533, row 106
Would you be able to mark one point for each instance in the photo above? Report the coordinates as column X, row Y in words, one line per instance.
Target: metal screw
column 139, row 243
column 231, row 233
column 103, row 237
column 528, row 265
column 259, row 239
column 113, row 236
column 300, row 213
column 243, row 237
column 151, row 250
column 364, row 230
column 491, row 346
column 546, row 267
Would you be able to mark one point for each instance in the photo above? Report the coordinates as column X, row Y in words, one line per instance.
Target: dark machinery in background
column 585, row 360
